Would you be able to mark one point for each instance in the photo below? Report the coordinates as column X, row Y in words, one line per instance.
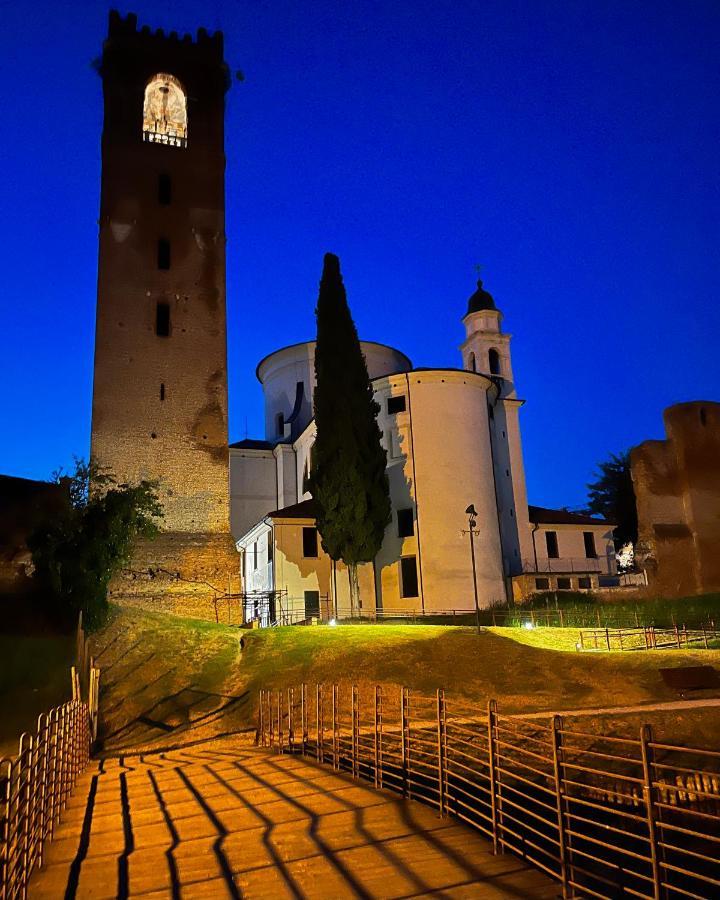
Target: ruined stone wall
column 677, row 487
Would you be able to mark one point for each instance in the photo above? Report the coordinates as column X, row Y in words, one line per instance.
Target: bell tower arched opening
column 165, row 111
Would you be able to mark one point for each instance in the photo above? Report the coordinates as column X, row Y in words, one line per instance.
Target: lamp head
column 471, row 511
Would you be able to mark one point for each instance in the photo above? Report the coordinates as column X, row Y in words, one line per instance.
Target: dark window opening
column 703, row 416
column 564, row 584
column 310, row 542
column 584, row 584
column 471, row 363
column 396, row 404
column 406, row 523
column 162, row 392
column 163, row 254
column 551, row 543
column 408, row 577
column 280, row 425
column 494, row 360
column 542, row 584
column 312, row 604
column 269, row 549
column 255, row 556
column 589, row 539
column 164, row 190
column 162, row 320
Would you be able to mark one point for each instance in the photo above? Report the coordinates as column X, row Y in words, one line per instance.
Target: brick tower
column 160, row 382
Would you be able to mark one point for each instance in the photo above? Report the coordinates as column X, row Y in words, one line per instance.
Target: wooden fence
column 649, row 637
column 35, row 785
column 605, row 816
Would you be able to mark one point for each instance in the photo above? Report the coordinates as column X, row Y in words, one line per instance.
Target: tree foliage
column 612, row 496
column 348, row 480
column 77, row 553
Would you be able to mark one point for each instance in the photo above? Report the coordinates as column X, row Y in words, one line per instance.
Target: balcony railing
column 170, row 140
column 567, row 564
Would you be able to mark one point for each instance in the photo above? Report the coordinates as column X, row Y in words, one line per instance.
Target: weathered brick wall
column 677, row 487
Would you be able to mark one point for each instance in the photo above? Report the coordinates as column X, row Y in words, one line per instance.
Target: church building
column 452, row 436
column 452, row 439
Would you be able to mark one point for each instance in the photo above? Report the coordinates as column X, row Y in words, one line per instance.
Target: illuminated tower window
column 165, row 112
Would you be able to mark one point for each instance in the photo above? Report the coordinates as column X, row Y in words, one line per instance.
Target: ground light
column 332, row 622
column 528, row 625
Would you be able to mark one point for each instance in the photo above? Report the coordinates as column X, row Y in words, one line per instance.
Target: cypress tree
column 348, row 480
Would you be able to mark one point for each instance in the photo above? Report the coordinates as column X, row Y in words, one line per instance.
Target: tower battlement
column 124, row 29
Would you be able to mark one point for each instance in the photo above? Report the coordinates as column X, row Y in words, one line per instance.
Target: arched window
column 471, row 363
column 494, row 360
column 165, row 112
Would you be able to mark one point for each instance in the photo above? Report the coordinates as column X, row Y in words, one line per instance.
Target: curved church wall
column 439, row 462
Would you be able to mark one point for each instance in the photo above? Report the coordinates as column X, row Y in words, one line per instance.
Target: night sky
column 570, row 148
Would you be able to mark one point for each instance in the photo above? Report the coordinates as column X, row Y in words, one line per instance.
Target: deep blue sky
column 570, row 147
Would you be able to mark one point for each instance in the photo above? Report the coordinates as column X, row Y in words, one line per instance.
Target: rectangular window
column 164, row 190
column 589, row 538
column 406, row 523
column 269, row 549
column 162, row 320
column 255, row 557
column 551, row 542
column 310, row 542
column 312, row 603
column 162, row 392
column 396, row 404
column 584, row 583
column 563, row 584
column 408, row 577
column 542, row 584
column 163, row 254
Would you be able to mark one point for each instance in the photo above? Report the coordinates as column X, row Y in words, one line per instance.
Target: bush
column 76, row 555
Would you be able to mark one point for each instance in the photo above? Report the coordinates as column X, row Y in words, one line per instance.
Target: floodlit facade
column 452, row 438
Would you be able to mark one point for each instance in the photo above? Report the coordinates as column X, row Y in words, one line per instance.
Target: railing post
column 336, row 759
column 355, row 730
column 492, row 765
column 441, row 750
column 645, row 740
column 404, row 739
column 559, row 801
column 291, row 719
column 281, row 742
column 261, row 719
column 319, row 723
column 304, row 717
column 378, row 735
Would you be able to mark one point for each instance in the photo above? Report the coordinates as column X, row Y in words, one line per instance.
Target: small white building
column 452, row 438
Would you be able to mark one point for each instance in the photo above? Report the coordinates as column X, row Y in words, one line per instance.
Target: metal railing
column 649, row 637
column 35, row 785
column 603, row 815
column 567, row 565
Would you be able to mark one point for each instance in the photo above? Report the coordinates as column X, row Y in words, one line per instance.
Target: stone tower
column 160, row 381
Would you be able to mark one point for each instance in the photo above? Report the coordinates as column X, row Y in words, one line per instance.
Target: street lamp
column 471, row 513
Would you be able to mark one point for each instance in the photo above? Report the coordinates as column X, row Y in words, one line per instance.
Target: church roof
column 480, row 300
column 251, row 444
column 539, row 515
column 304, row 510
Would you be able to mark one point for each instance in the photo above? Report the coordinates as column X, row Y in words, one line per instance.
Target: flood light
column 332, row 622
column 528, row 625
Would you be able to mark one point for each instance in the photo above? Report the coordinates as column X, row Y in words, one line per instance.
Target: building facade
column 160, row 376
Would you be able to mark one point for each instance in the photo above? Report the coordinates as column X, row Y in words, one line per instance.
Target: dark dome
column 480, row 300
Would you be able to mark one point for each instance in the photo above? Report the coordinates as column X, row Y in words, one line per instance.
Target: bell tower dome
column 486, row 348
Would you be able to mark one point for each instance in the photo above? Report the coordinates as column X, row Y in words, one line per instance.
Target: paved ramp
column 224, row 820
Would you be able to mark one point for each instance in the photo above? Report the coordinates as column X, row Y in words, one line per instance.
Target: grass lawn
column 34, row 677
column 165, row 677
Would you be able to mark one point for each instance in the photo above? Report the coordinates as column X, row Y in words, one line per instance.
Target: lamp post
column 472, row 516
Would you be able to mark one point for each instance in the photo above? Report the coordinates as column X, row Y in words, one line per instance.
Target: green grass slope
column 167, row 681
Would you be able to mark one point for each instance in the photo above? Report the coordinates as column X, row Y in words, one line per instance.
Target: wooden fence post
column 354, row 725
column 291, row 719
column 651, row 812
column 320, row 722
column 378, row 735
column 304, row 717
column 336, row 758
column 404, row 738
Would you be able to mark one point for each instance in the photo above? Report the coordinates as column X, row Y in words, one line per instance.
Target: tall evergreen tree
column 348, row 480
column 613, row 497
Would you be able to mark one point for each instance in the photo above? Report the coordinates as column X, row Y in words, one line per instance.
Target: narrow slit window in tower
column 162, row 324
column 162, row 392
column 471, row 363
column 164, row 189
column 494, row 360
column 163, row 254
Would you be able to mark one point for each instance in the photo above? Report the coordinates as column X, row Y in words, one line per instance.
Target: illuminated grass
column 192, row 678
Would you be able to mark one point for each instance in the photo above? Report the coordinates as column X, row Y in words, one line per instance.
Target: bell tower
column 160, row 379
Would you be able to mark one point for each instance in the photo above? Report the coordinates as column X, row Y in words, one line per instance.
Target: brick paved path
column 224, row 820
